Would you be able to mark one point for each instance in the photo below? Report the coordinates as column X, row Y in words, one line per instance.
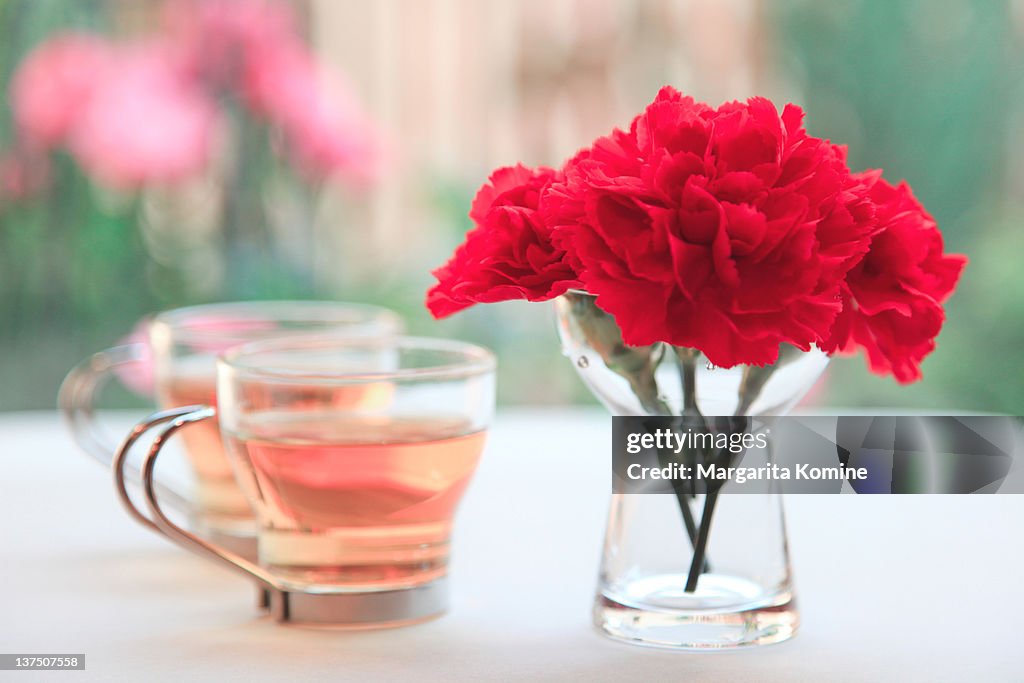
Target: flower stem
column 688, row 378
column 687, row 361
column 683, row 499
column 701, row 546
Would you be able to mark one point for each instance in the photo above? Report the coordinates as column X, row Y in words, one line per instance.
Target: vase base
column 656, row 612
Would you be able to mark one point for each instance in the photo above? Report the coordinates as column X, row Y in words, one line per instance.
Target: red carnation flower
column 728, row 230
column 892, row 298
column 509, row 255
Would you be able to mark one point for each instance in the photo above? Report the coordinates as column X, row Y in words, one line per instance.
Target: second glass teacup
column 180, row 350
column 354, row 454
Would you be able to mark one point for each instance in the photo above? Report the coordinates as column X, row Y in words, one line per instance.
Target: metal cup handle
column 284, row 604
column 174, row 420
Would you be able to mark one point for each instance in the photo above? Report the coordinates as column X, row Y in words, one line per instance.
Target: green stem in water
column 683, row 496
column 754, row 380
column 700, row 549
column 637, row 364
column 687, row 361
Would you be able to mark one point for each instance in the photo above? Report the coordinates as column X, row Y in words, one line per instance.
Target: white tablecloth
column 927, row 588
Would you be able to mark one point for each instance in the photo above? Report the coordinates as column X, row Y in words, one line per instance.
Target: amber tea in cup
column 180, row 350
column 354, row 453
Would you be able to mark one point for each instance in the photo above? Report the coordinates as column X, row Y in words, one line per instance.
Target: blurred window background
column 330, row 149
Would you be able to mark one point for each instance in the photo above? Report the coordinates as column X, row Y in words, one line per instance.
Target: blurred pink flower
column 325, row 129
column 146, row 122
column 53, row 83
column 218, row 36
column 144, row 114
column 253, row 48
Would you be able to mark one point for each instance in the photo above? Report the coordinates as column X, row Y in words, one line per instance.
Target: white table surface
column 901, row 588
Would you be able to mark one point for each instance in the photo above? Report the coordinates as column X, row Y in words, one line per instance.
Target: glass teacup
column 180, row 350
column 354, row 453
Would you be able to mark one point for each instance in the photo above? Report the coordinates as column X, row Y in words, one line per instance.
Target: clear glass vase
column 738, row 591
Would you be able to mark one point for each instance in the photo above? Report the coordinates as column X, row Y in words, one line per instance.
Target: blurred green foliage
column 931, row 91
column 76, row 272
column 65, row 260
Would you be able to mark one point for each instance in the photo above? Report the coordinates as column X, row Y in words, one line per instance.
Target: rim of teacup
column 213, row 322
column 456, row 359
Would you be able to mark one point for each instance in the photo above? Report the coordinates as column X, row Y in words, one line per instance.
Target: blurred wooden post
column 463, row 86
